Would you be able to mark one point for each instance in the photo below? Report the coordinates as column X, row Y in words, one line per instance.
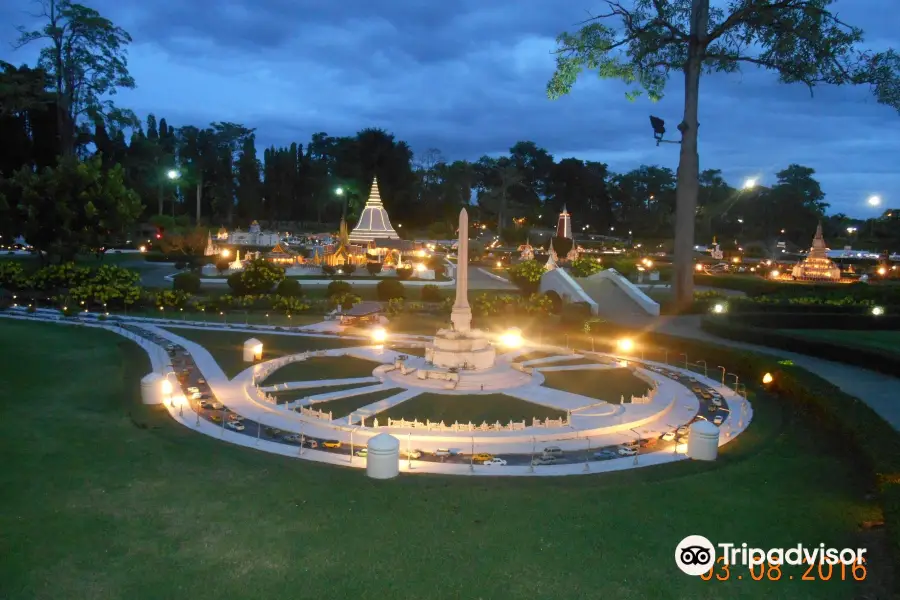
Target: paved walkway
column 879, row 391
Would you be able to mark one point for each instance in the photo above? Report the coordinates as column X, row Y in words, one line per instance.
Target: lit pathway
column 314, row 383
column 373, row 409
column 326, row 396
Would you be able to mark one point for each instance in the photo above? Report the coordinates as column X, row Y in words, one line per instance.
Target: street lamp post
column 408, row 452
column 587, row 457
column 533, row 445
column 735, row 378
column 723, row 375
column 472, row 457
column 704, row 366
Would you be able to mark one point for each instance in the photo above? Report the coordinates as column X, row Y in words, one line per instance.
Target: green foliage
column 585, row 266
column 290, row 287
column 388, row 289
column 74, row 206
column 171, row 298
column 431, row 293
column 222, row 265
column 339, row 287
column 186, row 282
column 348, row 269
column 487, row 305
column 345, row 300
column 527, row 275
column 395, row 307
column 404, row 273
column 374, row 268
column 329, row 271
column 258, row 277
column 12, row 275
column 290, row 304
column 562, row 245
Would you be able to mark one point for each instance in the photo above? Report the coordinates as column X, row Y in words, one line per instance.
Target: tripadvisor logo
column 695, row 555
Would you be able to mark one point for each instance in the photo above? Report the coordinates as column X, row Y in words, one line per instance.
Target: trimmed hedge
column 860, row 356
column 812, row 320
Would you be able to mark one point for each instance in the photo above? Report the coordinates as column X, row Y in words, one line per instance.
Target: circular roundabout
column 536, row 410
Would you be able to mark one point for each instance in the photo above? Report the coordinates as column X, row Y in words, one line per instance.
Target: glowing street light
column 379, row 335
column 173, row 174
column 339, row 191
column 625, row 345
column 767, row 378
column 882, row 271
column 877, row 311
column 512, row 338
column 719, row 308
column 225, row 253
column 851, row 230
column 166, row 387
column 698, row 267
column 749, row 183
column 874, row 201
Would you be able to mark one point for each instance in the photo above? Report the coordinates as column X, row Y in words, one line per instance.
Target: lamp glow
column 877, row 311
column 379, row 334
column 143, row 248
column 750, row 183
column 166, row 387
column 767, row 378
column 882, row 271
column 420, row 267
column 775, row 274
column 511, row 338
column 172, row 174
column 698, row 267
column 225, row 253
column 874, row 200
column 499, row 264
column 719, row 308
column 625, row 345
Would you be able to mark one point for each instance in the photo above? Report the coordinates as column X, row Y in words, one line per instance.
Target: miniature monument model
column 817, row 266
column 564, row 225
column 461, row 347
column 374, row 223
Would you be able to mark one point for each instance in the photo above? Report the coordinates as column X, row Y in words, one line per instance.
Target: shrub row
column 869, row 358
column 811, row 320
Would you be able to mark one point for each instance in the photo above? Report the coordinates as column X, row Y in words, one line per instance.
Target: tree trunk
column 689, row 160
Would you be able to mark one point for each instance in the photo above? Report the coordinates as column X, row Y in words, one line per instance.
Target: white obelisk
column 461, row 315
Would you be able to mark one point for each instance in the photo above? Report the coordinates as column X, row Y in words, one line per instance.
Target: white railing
column 457, row 426
column 315, row 414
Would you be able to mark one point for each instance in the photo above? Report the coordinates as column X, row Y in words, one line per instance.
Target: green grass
column 476, row 408
column 603, row 384
column 418, row 324
column 534, row 355
column 105, row 500
column 295, row 394
column 410, row 350
column 322, row 367
column 344, row 406
column 888, row 341
column 227, row 347
column 233, row 317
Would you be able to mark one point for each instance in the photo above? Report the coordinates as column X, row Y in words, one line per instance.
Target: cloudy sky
column 468, row 77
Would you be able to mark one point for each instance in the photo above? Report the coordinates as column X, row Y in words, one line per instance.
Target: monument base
column 462, row 350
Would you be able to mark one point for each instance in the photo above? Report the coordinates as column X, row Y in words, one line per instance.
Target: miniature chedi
column 817, row 266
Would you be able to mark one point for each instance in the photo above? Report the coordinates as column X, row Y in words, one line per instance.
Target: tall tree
column 800, row 40
column 86, row 59
column 249, row 201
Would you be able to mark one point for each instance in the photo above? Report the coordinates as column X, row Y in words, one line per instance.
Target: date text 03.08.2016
column 810, row 572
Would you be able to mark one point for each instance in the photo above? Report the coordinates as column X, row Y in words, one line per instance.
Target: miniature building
column 374, row 223
column 151, row 388
column 253, row 350
column 281, row 255
column 564, row 225
column 345, row 252
column 703, row 441
column 817, row 266
column 383, row 457
column 363, row 313
column 526, row 252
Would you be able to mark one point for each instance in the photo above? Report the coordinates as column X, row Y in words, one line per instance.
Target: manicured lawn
column 322, row 367
column 534, row 355
column 291, row 395
column 232, row 317
column 603, row 384
column 344, row 406
column 418, row 324
column 104, row 499
column 476, row 408
column 887, row 341
column 227, row 347
column 412, row 351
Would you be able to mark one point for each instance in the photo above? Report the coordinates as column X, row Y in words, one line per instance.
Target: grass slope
column 888, row 341
column 95, row 507
column 322, row 367
column 603, row 384
column 227, row 347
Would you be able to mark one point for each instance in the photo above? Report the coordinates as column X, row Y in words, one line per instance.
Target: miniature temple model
column 374, row 223
column 461, row 347
column 817, row 266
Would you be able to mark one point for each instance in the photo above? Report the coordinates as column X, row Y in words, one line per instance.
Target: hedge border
column 859, row 356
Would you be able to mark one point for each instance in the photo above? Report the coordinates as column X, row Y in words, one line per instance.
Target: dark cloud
column 468, row 77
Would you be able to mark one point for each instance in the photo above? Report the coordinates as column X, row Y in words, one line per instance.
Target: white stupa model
column 461, row 347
